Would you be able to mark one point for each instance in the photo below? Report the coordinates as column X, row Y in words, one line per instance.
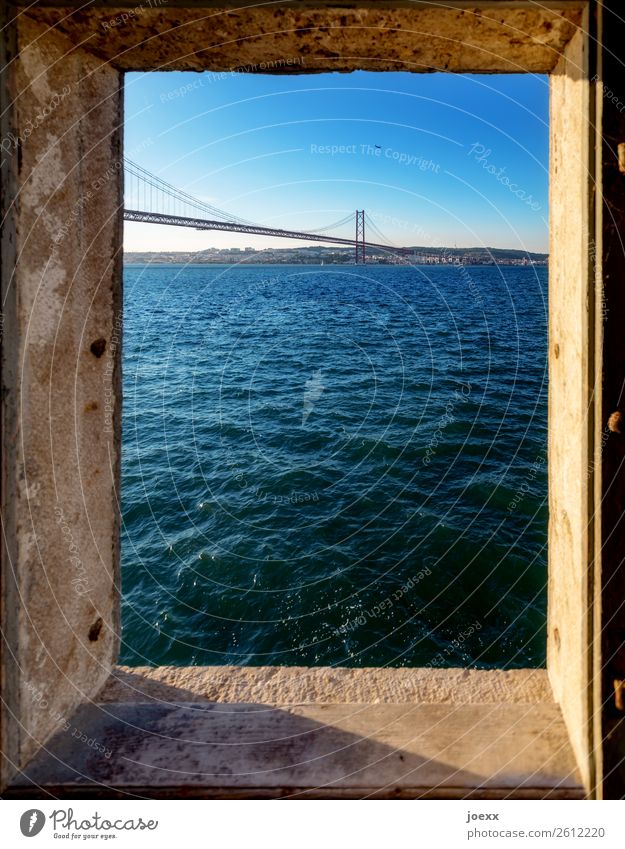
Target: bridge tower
column 360, row 236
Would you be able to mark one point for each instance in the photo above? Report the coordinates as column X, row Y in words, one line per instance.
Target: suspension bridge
column 151, row 200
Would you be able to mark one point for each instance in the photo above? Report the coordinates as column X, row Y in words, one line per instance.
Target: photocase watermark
column 96, row 185
column 127, row 16
column 32, row 821
column 207, row 79
column 313, row 390
column 80, row 582
column 458, row 641
column 445, row 257
column 608, row 94
column 109, row 369
column 93, row 827
column 237, row 471
column 594, row 464
column 592, row 256
column 260, row 494
column 10, row 143
column 592, row 253
column 481, row 156
column 292, row 498
column 471, row 285
column 99, row 825
column 526, row 486
column 377, row 151
column 39, row 700
column 386, row 604
column 459, row 396
column 398, row 223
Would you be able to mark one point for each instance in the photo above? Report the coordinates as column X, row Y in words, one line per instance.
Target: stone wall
column 60, row 373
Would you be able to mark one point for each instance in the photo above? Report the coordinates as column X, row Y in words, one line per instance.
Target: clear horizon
column 436, row 160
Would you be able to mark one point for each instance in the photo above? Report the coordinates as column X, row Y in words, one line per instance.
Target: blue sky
column 435, row 159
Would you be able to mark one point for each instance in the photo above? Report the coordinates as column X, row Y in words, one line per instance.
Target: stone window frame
column 61, row 553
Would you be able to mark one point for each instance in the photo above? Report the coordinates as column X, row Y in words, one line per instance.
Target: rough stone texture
column 486, row 37
column 570, row 398
column 354, row 751
column 279, row 685
column 60, row 463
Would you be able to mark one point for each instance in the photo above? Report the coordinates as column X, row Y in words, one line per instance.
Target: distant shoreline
column 173, row 263
column 321, row 255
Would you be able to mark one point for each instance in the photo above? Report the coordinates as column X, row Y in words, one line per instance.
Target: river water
column 337, row 465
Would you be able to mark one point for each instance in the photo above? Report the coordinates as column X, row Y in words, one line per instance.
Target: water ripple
column 334, row 466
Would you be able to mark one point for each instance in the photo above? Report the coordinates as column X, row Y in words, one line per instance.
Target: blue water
column 334, row 465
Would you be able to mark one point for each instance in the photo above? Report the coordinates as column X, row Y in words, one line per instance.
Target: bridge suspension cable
column 378, row 232
column 347, row 220
column 147, row 191
column 150, row 199
column 156, row 195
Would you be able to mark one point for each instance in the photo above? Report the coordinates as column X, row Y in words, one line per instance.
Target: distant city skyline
column 435, row 159
column 319, row 254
